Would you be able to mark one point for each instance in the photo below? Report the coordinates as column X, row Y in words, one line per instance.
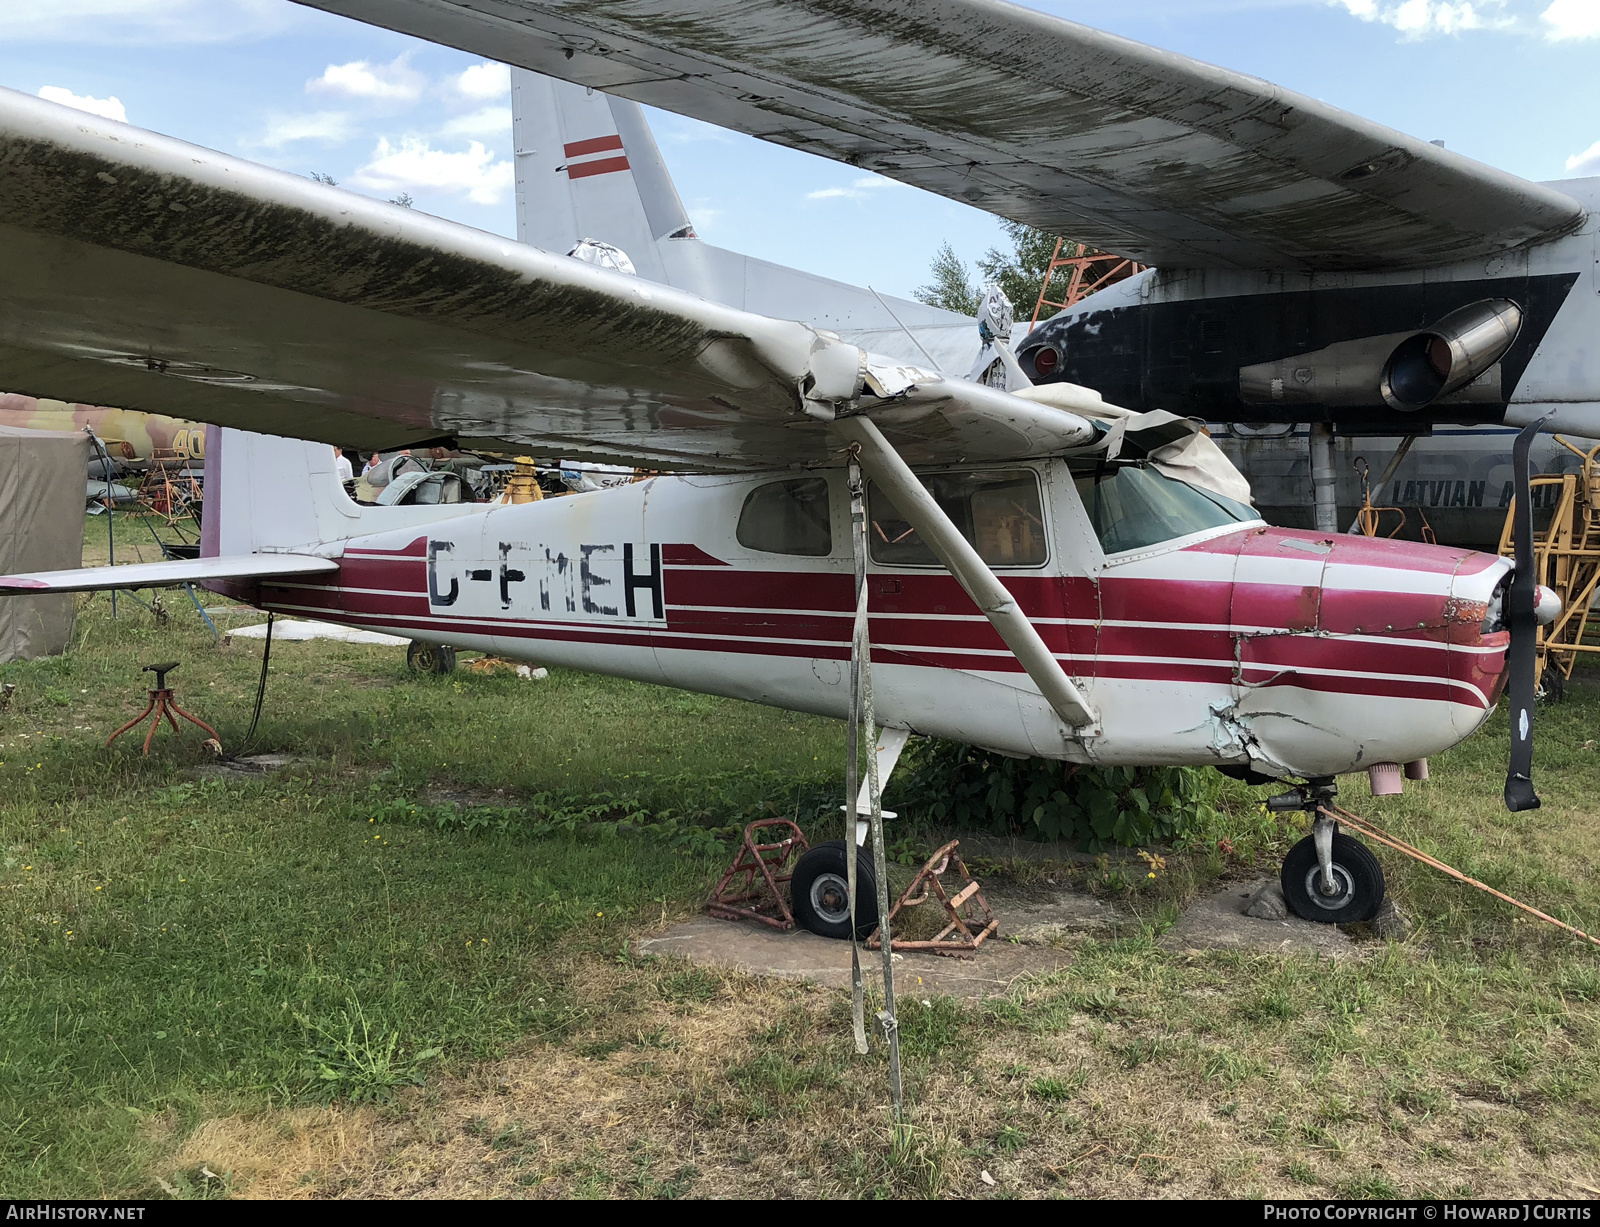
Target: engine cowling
column 1448, row 356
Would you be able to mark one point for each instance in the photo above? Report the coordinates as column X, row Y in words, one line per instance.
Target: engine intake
column 1448, row 356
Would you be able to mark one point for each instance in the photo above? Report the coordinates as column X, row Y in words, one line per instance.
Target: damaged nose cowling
column 1352, row 651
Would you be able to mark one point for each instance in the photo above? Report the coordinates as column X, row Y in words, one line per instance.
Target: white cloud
column 1587, row 162
column 483, row 82
column 328, row 126
column 415, row 163
column 488, row 121
column 393, row 82
column 109, row 108
column 1420, row 17
column 859, row 189
column 143, row 21
column 1572, row 19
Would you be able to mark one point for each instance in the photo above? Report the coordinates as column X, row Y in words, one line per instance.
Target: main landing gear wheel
column 430, row 657
column 1357, row 882
column 819, row 892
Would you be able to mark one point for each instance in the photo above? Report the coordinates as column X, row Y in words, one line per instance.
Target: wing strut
column 913, row 501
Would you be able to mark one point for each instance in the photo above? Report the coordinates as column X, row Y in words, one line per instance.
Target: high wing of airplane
column 1313, row 266
column 1131, row 149
column 149, row 273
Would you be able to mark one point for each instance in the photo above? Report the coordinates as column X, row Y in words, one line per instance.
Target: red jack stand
column 163, row 704
column 759, row 899
column 971, row 921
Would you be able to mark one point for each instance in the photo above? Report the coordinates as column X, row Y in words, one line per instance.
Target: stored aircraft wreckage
column 1046, row 573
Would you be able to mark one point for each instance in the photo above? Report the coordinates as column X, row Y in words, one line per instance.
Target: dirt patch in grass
column 700, row 1084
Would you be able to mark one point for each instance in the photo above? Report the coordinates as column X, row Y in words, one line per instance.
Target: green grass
column 173, row 942
column 417, row 940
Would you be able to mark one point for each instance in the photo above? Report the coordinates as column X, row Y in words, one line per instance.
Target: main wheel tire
column 430, row 657
column 819, row 892
column 1355, row 870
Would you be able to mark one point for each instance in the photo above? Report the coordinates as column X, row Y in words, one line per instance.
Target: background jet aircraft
column 1311, row 265
column 588, row 168
column 130, row 438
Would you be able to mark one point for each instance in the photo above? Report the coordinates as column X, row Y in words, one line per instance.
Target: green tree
column 952, row 286
column 1021, row 272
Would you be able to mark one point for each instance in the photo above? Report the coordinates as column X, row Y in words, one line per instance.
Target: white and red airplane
column 1047, row 574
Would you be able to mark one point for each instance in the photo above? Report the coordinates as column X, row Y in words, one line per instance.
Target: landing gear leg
column 1324, row 478
column 1328, row 877
column 1323, row 829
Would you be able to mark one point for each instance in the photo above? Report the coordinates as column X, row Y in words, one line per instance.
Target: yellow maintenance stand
column 1567, row 559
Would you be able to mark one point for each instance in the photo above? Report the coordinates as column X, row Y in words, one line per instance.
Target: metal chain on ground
column 1371, row 832
column 889, row 1018
column 110, row 505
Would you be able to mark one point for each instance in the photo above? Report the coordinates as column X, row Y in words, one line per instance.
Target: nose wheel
column 1344, row 887
column 1327, row 877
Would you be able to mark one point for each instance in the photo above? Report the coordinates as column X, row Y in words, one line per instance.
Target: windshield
column 1133, row 506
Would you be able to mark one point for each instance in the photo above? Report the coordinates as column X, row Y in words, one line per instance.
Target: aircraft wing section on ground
column 163, row 574
column 140, row 271
column 1135, row 150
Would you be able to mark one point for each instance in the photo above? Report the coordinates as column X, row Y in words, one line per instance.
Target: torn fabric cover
column 1191, row 456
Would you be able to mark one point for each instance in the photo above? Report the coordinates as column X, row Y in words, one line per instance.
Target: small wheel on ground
column 1357, row 880
column 430, row 657
column 819, row 892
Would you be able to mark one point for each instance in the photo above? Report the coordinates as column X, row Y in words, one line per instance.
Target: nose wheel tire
column 430, row 657
column 819, row 891
column 1357, row 882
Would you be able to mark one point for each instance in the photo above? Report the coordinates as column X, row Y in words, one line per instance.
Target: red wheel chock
column 750, row 890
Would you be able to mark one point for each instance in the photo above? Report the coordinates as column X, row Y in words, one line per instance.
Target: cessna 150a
column 1047, row 574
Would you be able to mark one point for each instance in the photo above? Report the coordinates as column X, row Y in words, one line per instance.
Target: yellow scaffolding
column 1566, row 559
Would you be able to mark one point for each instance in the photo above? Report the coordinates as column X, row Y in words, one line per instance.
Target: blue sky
column 1511, row 82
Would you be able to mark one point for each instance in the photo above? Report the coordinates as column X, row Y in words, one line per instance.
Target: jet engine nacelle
column 1455, row 358
column 1440, row 360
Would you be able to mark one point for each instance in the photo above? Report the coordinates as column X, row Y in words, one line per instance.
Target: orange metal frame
column 1091, row 271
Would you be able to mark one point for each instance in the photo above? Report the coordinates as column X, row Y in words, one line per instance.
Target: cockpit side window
column 999, row 512
column 788, row 517
column 1133, row 506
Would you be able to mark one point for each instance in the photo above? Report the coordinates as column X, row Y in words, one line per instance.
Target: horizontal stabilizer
column 162, row 574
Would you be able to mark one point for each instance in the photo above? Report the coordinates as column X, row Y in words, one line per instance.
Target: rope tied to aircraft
column 1366, row 828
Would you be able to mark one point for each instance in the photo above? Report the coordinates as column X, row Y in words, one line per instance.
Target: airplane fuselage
column 1226, row 642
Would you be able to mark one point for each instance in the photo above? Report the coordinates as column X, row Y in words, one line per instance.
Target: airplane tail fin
column 266, row 493
column 588, row 167
column 272, row 495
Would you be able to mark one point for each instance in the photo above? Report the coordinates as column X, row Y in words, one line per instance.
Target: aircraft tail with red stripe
column 588, row 167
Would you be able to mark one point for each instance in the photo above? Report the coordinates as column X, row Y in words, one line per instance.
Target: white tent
column 41, row 529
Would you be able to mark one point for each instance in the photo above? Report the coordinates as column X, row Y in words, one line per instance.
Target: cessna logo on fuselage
column 539, row 581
